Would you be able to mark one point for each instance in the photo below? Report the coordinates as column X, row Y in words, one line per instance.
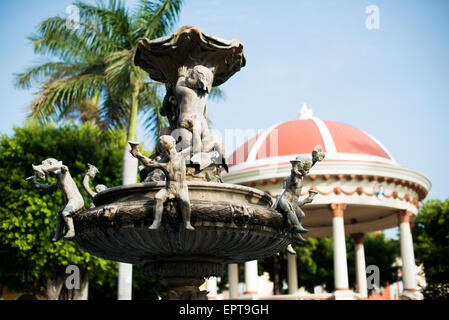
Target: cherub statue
column 192, row 90
column 288, row 201
column 73, row 201
column 175, row 176
column 90, row 175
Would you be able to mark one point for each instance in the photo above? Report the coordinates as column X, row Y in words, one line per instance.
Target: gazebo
column 361, row 188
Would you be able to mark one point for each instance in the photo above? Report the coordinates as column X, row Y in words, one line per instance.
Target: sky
column 391, row 82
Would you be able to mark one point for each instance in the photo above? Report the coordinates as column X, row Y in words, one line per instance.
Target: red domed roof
column 283, row 142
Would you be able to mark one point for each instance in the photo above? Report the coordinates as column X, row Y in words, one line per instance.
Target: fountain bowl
column 233, row 224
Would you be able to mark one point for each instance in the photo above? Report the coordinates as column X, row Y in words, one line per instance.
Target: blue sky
column 391, row 82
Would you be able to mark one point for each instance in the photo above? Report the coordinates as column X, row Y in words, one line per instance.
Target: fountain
column 182, row 222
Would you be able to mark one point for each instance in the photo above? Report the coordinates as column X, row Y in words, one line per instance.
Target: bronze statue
column 192, row 89
column 90, row 175
column 190, row 63
column 288, row 202
column 175, row 175
column 73, row 201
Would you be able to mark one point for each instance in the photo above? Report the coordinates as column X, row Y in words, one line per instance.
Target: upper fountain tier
column 189, row 46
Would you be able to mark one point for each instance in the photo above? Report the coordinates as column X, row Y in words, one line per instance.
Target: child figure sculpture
column 288, row 201
column 90, row 175
column 175, row 176
column 192, row 90
column 73, row 201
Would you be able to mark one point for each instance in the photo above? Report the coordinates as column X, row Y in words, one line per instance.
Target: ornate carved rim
column 105, row 196
column 232, row 224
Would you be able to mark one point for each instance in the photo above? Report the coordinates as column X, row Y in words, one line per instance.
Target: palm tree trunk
column 129, row 176
column 129, row 173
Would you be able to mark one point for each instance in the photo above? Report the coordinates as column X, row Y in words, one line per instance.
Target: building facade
column 361, row 188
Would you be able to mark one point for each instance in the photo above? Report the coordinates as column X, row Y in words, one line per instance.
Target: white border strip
column 335, row 156
column 343, row 167
column 329, row 143
column 381, row 145
column 260, row 140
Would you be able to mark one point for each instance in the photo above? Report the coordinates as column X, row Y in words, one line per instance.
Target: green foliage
column 379, row 251
column 314, row 258
column 431, row 245
column 143, row 287
column 27, row 215
column 315, row 263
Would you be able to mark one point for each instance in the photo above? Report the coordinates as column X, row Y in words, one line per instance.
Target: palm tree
column 94, row 77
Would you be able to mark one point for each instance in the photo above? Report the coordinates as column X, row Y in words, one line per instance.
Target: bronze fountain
column 182, row 222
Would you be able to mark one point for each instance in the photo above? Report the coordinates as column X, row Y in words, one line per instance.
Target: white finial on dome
column 305, row 113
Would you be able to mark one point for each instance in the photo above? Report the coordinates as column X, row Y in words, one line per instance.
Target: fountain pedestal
column 182, row 278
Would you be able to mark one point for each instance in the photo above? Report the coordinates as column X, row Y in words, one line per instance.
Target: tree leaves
column 431, row 244
column 315, row 262
column 27, row 215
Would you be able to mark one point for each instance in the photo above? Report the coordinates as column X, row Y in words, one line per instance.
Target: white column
column 292, row 273
column 408, row 256
column 233, row 277
column 360, row 265
column 125, row 270
column 340, row 263
column 251, row 277
column 125, row 281
column 211, row 287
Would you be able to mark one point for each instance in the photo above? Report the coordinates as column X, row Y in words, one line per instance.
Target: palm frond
column 119, row 67
column 217, row 94
column 150, row 105
column 154, row 122
column 157, row 18
column 62, row 94
column 42, row 73
column 114, row 110
column 112, row 20
column 54, row 37
column 85, row 111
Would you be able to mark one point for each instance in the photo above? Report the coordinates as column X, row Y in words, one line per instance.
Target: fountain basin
column 232, row 224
